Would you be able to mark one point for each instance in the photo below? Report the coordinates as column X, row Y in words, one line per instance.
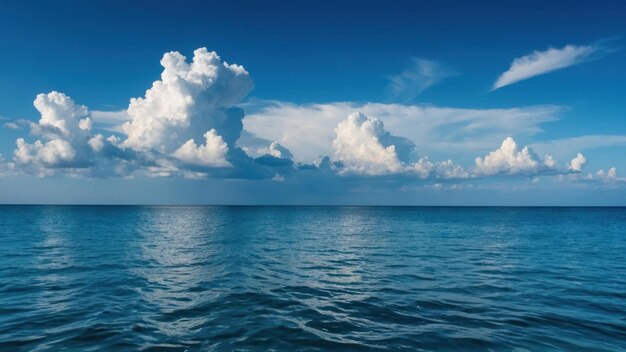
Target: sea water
column 124, row 278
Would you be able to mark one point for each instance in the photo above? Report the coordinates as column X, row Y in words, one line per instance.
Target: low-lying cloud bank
column 190, row 123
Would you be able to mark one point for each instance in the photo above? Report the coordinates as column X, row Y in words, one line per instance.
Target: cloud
column 508, row 159
column 411, row 82
column 192, row 98
column 606, row 178
column 447, row 169
column 610, row 176
column 255, row 146
column 190, row 124
column 187, row 124
column 63, row 129
column 189, row 100
column 211, row 154
column 362, row 146
column 276, row 150
column 18, row 124
column 563, row 147
column 358, row 145
column 6, row 168
column 51, row 153
column 577, row 164
column 307, row 130
column 60, row 115
column 110, row 120
column 12, row 125
column 65, row 143
column 541, row 62
column 96, row 142
column 549, row 162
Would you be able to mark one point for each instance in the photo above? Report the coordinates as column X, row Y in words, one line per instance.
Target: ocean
column 213, row 278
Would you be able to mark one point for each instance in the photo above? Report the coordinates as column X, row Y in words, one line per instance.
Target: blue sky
column 421, row 73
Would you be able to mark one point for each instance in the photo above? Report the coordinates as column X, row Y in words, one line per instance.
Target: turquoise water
column 312, row 278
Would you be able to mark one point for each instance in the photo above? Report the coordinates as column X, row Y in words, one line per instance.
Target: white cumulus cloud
column 508, row 159
column 96, row 143
column 358, row 145
column 50, row 153
column 424, row 169
column 549, row 161
column 63, row 129
column 610, row 176
column 276, row 150
column 188, row 121
column 577, row 164
column 363, row 146
column 190, row 99
column 212, row 153
column 58, row 111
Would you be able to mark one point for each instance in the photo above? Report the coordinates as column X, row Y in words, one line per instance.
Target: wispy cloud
column 542, row 62
column 308, row 130
column 110, row 120
column 422, row 74
column 561, row 148
column 9, row 123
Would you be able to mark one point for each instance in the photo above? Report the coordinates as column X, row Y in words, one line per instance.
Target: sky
column 313, row 102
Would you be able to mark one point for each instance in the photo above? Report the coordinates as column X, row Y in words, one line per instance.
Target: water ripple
column 311, row 279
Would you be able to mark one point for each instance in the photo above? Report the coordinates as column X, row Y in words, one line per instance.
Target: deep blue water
column 312, row 278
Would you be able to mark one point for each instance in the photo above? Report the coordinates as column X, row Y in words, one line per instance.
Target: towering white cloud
column 577, row 164
column 186, row 121
column 541, row 62
column 358, row 145
column 508, row 159
column 189, row 100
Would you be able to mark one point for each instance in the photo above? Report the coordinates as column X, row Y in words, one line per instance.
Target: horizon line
column 307, row 205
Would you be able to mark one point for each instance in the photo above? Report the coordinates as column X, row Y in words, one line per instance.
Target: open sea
column 126, row 278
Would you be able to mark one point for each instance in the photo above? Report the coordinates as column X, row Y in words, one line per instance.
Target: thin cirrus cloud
column 422, row 75
column 542, row 62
